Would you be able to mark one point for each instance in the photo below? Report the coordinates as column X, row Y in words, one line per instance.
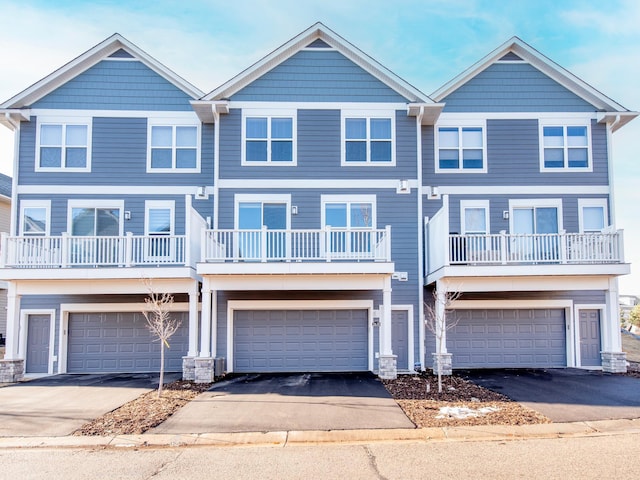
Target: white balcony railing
column 94, row 251
column 551, row 248
column 297, row 245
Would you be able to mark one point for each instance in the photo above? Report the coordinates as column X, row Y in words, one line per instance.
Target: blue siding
column 513, row 158
column 118, row 157
column 318, row 76
column 514, row 87
column 117, row 85
column 319, row 150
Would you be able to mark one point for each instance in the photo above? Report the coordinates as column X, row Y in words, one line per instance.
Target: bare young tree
column 436, row 322
column 160, row 323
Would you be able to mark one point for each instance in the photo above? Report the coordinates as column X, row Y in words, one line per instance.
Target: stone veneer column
column 442, row 362
column 11, row 371
column 614, row 362
column 388, row 367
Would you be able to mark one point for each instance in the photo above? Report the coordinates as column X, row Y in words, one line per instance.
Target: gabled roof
column 88, row 59
column 317, row 31
column 547, row 66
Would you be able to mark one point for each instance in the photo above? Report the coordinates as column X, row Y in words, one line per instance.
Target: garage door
column 121, row 342
column 508, row 339
column 300, row 341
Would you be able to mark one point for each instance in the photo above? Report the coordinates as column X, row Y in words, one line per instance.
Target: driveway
column 283, row 402
column 566, row 395
column 58, row 405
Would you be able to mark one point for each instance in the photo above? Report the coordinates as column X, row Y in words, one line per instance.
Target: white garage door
column 300, row 340
column 121, row 343
column 528, row 338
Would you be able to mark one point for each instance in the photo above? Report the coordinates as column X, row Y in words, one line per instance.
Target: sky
column 425, row 42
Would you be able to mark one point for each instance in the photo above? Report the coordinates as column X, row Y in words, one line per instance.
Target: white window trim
column 92, row 203
column 269, row 114
column 564, row 123
column 460, row 123
column 534, row 203
column 65, row 121
column 160, row 204
column 592, row 202
column 464, row 204
column 258, row 198
column 367, row 114
column 349, row 199
column 46, row 204
column 174, row 122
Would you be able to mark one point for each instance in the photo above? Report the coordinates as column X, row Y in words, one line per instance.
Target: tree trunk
column 161, row 381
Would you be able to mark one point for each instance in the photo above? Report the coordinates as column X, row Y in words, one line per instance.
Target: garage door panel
column 508, row 338
column 300, row 340
column 120, row 343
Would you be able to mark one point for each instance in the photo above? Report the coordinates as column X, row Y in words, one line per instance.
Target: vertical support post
column 128, row 249
column 387, row 243
column 205, row 323
column 386, row 317
column 13, row 323
column 64, row 260
column 204, row 249
column 327, row 242
column 4, row 242
column 193, row 322
column 611, row 339
column 503, row 247
column 620, row 238
column 214, row 323
column 263, row 244
column 564, row 239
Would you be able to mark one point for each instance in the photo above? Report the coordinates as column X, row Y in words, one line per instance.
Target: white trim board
column 521, row 189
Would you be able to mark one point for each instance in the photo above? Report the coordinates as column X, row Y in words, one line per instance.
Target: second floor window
column 368, row 141
column 63, row 146
column 269, row 140
column 173, row 148
column 461, row 149
column 565, row 148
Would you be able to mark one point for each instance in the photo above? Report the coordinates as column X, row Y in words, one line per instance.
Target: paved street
column 599, row 457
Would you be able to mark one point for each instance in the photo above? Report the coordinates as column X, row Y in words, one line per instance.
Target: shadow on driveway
column 565, row 395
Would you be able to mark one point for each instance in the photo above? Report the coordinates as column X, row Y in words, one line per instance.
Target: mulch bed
column 145, row 412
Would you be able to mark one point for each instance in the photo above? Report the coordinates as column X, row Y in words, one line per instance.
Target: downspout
column 421, row 251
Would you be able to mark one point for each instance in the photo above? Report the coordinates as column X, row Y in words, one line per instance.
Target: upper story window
column 173, row 148
column 34, row 218
column 474, row 217
column 63, row 146
column 269, row 138
column 565, row 147
column 592, row 214
column 367, row 139
column 460, row 149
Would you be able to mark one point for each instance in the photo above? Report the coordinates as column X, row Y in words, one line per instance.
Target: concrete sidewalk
column 489, row 433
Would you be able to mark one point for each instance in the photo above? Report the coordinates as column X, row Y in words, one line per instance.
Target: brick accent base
column 442, row 363
column 203, row 371
column 11, row 371
column 188, row 368
column 388, row 367
column 614, row 362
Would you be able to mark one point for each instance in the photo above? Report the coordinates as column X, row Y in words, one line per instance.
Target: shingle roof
column 5, row 185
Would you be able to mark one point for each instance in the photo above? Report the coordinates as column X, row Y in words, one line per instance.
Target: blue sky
column 425, row 42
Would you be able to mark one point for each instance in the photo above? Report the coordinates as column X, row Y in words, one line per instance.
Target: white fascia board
column 95, row 275
column 299, row 42
column 617, row 120
column 107, row 287
column 429, row 113
column 296, row 282
column 297, row 268
column 209, row 111
column 88, row 59
column 11, row 117
column 522, row 189
column 539, row 61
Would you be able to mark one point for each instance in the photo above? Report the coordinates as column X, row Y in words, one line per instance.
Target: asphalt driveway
column 566, row 395
column 284, row 402
column 58, row 405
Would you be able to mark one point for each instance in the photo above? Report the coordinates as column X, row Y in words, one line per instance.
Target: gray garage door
column 508, row 338
column 121, row 342
column 300, row 341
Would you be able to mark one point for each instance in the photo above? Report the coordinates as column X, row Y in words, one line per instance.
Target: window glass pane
column 592, row 219
column 361, row 215
column 448, row 137
column 275, row 216
column 51, row 135
column 281, row 128
column 50, row 157
column 356, row 152
column 472, row 137
column 256, row 150
column 256, row 128
column 578, row 157
column 381, row 128
column 76, row 157
column 34, row 221
column 186, row 158
column 281, row 151
column 546, row 220
column 186, row 136
column 161, row 136
column 108, row 221
column 76, row 135
column 553, row 157
column 522, row 220
column 160, row 158
column 475, row 220
column 356, row 128
column 159, row 220
column 449, row 159
column 336, row 215
column 577, row 136
column 553, row 136
column 380, row 151
column 472, row 159
column 250, row 216
column 83, row 221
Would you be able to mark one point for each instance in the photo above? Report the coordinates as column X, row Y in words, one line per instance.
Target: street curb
column 293, row 438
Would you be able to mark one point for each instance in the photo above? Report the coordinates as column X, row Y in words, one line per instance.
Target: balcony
column 93, row 251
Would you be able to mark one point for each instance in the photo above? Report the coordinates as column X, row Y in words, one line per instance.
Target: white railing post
column 64, row 250
column 503, row 247
column 620, row 241
column 3, row 249
column 128, row 249
column 181, row 242
column 263, row 244
column 204, row 246
column 327, row 246
column 564, row 240
column 387, row 243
